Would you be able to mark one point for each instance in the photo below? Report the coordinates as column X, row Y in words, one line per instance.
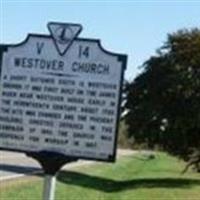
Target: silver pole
column 49, row 187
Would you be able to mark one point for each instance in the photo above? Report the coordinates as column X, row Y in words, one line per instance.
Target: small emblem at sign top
column 63, row 35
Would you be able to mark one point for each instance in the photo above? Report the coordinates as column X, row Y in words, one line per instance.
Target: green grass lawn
column 129, row 178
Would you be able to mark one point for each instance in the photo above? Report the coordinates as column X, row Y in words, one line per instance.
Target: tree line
column 163, row 101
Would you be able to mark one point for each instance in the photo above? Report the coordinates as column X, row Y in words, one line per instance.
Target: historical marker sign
column 60, row 94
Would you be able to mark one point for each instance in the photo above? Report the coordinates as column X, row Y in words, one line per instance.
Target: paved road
column 14, row 165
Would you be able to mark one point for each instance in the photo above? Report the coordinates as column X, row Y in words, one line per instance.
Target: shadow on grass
column 109, row 185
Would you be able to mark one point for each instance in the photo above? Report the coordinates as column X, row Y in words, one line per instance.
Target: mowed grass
column 130, row 178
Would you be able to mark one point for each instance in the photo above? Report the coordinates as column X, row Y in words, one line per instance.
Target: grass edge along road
column 129, row 178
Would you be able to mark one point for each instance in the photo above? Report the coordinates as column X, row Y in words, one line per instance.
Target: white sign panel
column 64, row 103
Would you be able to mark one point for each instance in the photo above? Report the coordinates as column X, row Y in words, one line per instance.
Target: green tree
column 164, row 100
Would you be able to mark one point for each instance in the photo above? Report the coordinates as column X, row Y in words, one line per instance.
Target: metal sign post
column 49, row 187
column 60, row 99
column 51, row 164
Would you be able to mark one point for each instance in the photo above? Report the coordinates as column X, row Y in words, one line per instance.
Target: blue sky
column 135, row 28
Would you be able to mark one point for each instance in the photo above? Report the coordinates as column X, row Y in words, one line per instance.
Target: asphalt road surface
column 15, row 165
